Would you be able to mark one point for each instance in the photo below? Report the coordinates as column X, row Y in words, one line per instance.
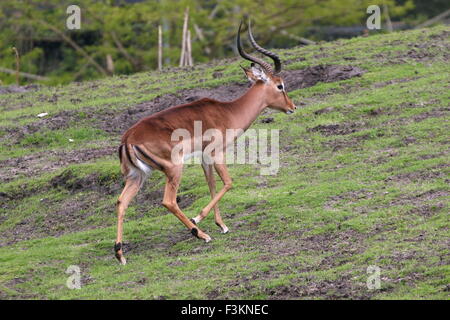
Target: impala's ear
column 254, row 74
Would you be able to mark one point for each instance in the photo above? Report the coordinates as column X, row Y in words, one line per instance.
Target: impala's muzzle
column 292, row 110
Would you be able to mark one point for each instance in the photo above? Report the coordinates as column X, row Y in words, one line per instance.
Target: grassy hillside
column 363, row 181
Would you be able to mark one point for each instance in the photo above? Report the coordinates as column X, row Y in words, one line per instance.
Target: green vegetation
column 125, row 32
column 363, row 181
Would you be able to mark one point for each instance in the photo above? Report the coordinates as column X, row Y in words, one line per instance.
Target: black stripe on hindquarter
column 147, row 156
column 127, row 152
column 120, row 152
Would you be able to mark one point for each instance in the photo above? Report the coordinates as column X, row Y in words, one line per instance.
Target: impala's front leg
column 223, row 173
column 170, row 201
column 209, row 175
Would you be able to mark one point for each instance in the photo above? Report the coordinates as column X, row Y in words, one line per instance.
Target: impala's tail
column 131, row 163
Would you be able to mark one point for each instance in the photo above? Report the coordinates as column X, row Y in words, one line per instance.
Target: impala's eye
column 280, row 86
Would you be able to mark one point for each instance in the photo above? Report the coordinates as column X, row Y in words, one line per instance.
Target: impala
column 148, row 145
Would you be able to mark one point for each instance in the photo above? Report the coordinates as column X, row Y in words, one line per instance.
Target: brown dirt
column 427, row 50
column 46, row 161
column 394, row 81
column 419, row 199
column 342, row 288
column 20, row 293
column 420, row 175
column 428, row 210
column 68, row 218
column 338, row 247
column 339, row 129
column 61, row 120
column 339, row 143
column 349, row 198
column 18, row 89
column 324, row 110
column 307, row 77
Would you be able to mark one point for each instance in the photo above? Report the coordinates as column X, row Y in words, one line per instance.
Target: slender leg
column 209, row 175
column 132, row 186
column 223, row 173
column 170, row 201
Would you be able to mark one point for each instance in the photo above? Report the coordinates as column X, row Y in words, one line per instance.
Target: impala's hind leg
column 170, row 201
column 209, row 175
column 132, row 186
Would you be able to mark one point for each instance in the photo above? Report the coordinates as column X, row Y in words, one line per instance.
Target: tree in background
column 123, row 33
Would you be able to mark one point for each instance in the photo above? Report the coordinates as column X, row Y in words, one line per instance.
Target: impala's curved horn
column 267, row 67
column 273, row 56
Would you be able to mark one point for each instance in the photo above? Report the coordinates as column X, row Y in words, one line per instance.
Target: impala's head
column 273, row 86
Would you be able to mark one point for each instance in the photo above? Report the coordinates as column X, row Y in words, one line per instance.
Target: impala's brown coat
column 148, row 145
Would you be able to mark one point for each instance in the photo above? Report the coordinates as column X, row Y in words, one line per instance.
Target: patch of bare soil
column 343, row 129
column 419, row 199
column 428, row 210
column 337, row 248
column 433, row 155
column 341, row 288
column 339, row 129
column 324, row 110
column 435, row 113
column 351, row 142
column 21, row 293
column 36, row 163
column 428, row 49
column 68, row 181
column 308, row 77
column 349, row 198
column 394, row 81
column 18, row 89
column 69, row 217
column 59, row 121
column 420, row 175
column 150, row 245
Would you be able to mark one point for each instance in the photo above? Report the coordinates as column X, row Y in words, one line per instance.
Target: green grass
column 338, row 204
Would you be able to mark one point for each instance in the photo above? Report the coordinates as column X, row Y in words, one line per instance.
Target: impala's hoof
column 223, row 228
column 118, row 253
column 196, row 220
column 122, row 260
column 201, row 235
column 207, row 238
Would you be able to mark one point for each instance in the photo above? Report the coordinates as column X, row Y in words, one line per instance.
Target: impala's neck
column 248, row 107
